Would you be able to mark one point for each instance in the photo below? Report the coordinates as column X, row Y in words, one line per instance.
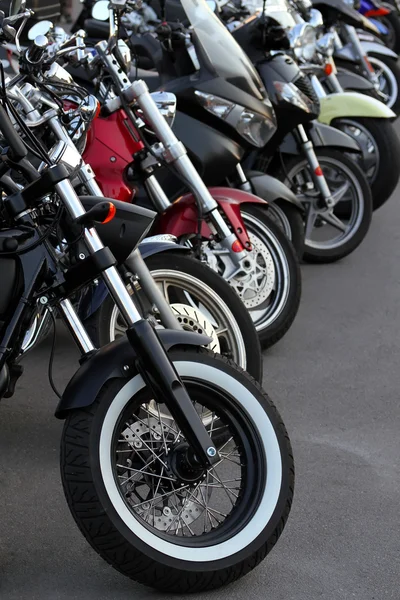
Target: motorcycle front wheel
column 331, row 234
column 269, row 284
column 201, row 300
column 150, row 516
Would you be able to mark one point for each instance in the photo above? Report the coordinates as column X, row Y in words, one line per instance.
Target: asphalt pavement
column 335, row 378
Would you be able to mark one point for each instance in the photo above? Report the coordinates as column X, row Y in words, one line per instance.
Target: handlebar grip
column 12, row 138
column 37, row 50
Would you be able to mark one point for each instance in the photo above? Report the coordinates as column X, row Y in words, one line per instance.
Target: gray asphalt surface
column 335, row 378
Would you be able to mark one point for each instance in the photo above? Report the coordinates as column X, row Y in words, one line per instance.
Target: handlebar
column 12, row 138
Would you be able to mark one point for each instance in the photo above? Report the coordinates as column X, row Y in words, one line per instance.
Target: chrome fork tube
column 111, row 276
column 135, row 262
column 175, row 151
column 75, row 325
column 361, row 54
column 316, row 171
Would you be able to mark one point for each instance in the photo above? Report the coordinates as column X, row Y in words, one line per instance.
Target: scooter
column 369, row 122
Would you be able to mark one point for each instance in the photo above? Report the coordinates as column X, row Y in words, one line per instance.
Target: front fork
column 307, row 148
column 174, row 153
column 368, row 70
column 153, row 362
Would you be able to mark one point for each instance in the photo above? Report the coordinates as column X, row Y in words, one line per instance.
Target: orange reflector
column 98, row 109
column 328, row 69
column 237, row 246
column 370, row 67
column 318, row 171
column 111, row 213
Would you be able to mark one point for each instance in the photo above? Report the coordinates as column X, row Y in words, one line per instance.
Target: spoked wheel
column 329, row 235
column 388, row 72
column 269, row 285
column 202, row 302
column 149, row 510
column 380, row 154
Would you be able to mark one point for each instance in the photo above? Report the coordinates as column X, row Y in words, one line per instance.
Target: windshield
column 226, row 56
column 280, row 10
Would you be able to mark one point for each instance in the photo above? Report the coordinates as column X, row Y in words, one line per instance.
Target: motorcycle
column 367, row 121
column 140, row 469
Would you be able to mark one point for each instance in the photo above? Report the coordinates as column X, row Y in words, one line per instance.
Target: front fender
column 374, row 48
column 181, row 218
column 110, row 362
column 352, row 104
column 353, row 81
column 323, row 135
column 271, row 189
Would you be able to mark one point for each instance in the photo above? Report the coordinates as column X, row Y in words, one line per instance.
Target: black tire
column 131, row 540
column 392, row 23
column 386, row 177
column 291, row 222
column 98, row 326
column 327, row 255
column 274, row 326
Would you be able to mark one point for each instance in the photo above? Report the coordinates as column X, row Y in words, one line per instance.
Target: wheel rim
column 273, row 289
column 388, row 87
column 181, row 288
column 370, row 160
column 321, row 223
column 258, row 479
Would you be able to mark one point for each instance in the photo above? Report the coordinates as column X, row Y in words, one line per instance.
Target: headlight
column 288, row 92
column 302, row 41
column 254, row 127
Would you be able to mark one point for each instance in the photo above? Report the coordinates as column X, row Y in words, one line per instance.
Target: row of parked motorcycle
column 164, row 169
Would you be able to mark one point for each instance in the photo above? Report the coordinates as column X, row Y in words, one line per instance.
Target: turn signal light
column 328, row 69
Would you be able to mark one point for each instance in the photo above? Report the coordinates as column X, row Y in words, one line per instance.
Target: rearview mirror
column 16, row 7
column 100, row 10
column 41, row 28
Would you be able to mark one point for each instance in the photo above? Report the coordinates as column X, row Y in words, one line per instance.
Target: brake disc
column 192, row 319
column 256, row 281
column 161, row 517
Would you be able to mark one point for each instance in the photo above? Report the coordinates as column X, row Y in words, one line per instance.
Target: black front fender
column 271, row 189
column 352, row 81
column 114, row 361
column 323, row 135
column 148, row 248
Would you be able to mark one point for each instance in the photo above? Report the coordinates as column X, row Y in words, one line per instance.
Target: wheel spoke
column 334, row 221
column 311, row 217
column 340, row 192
